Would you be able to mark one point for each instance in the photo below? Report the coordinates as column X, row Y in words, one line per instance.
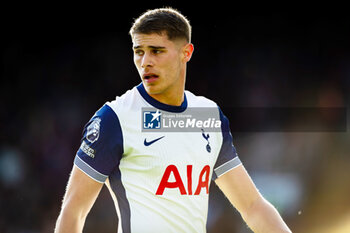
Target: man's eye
column 139, row 52
column 156, row 51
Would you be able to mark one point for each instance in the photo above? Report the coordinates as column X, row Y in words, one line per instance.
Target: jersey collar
column 155, row 103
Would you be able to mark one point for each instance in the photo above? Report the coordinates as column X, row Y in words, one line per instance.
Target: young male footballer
column 159, row 181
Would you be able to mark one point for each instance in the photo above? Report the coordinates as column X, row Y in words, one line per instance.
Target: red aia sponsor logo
column 203, row 181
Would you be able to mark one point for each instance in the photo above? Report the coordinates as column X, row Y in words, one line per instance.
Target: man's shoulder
column 124, row 101
column 199, row 101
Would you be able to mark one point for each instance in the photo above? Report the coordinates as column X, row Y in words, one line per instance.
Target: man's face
column 160, row 62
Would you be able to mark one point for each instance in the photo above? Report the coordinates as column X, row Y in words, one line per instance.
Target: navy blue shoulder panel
column 228, row 151
column 101, row 146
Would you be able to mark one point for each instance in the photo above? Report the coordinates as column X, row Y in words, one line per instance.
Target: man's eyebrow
column 150, row 46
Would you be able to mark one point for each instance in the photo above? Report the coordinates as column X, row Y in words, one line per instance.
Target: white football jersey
column 159, row 181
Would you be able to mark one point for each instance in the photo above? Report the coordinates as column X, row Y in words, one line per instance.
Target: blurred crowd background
column 59, row 65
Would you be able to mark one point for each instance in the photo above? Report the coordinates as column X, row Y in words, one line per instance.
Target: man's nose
column 146, row 60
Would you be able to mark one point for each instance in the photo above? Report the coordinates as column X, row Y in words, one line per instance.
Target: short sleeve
column 227, row 158
column 101, row 145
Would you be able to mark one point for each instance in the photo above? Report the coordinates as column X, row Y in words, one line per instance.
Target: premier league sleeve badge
column 93, row 130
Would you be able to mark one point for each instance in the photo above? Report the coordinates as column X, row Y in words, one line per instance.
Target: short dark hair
column 161, row 20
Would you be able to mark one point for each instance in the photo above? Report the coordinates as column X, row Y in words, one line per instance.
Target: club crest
column 206, row 137
column 93, row 130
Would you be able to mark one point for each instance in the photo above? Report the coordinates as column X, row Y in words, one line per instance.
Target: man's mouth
column 150, row 77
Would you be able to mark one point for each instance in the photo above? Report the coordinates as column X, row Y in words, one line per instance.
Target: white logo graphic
column 151, row 119
column 93, row 130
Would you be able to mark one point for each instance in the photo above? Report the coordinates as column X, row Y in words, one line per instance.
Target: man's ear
column 188, row 51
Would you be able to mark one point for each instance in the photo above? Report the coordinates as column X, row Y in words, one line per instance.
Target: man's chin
column 152, row 89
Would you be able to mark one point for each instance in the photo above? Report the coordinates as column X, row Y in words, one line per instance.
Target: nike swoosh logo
column 151, row 142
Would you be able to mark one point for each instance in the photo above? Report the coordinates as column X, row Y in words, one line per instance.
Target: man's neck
column 174, row 99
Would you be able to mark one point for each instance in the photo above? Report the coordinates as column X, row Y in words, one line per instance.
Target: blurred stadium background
column 60, row 64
